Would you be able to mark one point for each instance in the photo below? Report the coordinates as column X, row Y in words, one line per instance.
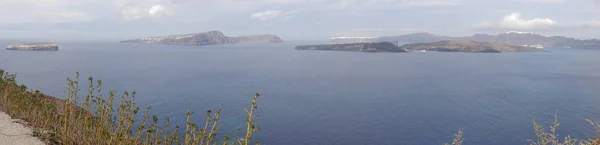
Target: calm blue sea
column 338, row 98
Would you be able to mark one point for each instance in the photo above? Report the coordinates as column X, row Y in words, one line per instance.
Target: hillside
column 467, row 46
column 508, row 38
column 361, row 47
column 205, row 38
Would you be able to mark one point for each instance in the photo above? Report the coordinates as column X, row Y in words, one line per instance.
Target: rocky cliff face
column 33, row 47
column 508, row 38
column 362, row 47
column 467, row 46
column 205, row 38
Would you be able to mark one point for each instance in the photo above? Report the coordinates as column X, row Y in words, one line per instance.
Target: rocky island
column 468, row 46
column 206, row 38
column 507, row 38
column 362, row 47
column 33, row 47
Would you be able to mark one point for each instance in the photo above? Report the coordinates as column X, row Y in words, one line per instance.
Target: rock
column 33, row 47
column 206, row 38
column 362, row 47
column 467, row 46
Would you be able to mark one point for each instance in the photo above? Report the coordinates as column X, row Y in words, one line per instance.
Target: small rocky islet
column 42, row 46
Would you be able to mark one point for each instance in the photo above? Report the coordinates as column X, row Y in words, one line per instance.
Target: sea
column 337, row 98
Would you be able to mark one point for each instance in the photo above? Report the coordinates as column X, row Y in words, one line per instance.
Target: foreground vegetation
column 95, row 119
column 544, row 137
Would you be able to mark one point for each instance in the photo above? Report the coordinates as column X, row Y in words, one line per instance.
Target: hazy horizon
column 111, row 20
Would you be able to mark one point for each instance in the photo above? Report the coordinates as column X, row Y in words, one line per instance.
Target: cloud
column 159, row 11
column 514, row 21
column 134, row 13
column 266, row 15
column 549, row 1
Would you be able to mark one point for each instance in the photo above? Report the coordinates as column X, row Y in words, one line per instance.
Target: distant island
column 206, row 38
column 441, row 46
column 509, row 38
column 468, row 46
column 33, row 47
column 361, row 47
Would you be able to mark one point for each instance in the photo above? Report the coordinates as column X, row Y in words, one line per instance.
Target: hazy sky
column 293, row 19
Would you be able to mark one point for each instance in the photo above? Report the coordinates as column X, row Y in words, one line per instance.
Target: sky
column 293, row 19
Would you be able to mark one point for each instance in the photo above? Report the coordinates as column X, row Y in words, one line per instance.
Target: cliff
column 467, row 46
column 205, row 38
column 508, row 38
column 362, row 47
column 33, row 47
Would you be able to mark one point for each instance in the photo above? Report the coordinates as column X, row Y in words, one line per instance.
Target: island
column 468, row 46
column 361, row 47
column 507, row 38
column 206, row 38
column 45, row 46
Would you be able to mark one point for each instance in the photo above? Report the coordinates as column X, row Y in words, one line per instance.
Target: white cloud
column 159, row 11
column 269, row 14
column 514, row 21
column 156, row 11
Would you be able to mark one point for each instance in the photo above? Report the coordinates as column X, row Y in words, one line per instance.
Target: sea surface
column 338, row 98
